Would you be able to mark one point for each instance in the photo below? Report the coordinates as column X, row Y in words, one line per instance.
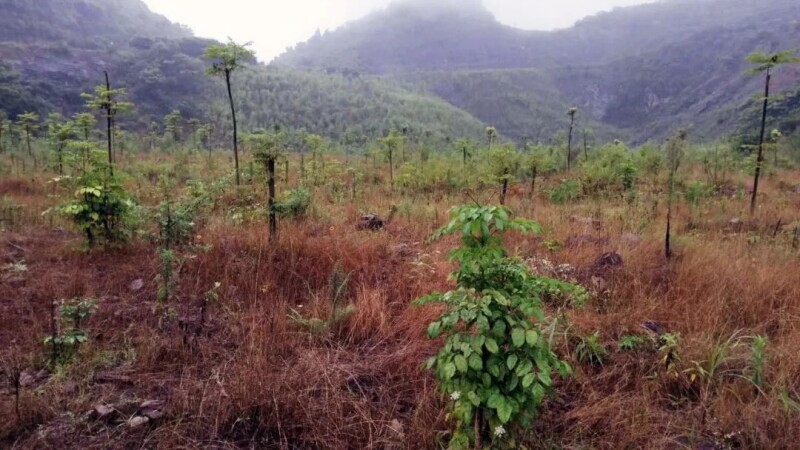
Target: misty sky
column 274, row 25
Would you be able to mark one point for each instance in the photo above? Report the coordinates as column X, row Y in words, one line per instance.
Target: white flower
column 499, row 431
column 455, row 396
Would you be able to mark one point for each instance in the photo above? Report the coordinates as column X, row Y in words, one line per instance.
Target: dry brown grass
column 254, row 378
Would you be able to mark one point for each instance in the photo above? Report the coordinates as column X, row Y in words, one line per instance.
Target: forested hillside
column 442, row 68
column 49, row 55
column 640, row 71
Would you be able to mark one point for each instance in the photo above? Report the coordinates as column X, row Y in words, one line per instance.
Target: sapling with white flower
column 495, row 364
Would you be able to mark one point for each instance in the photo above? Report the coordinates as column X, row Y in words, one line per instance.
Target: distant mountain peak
column 456, row 8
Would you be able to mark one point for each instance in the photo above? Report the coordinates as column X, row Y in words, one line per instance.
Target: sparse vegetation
column 187, row 322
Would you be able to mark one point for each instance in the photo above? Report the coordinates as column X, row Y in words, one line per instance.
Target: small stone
column 102, row 412
column 154, row 409
column 26, row 379
column 152, row 404
column 138, row 421
column 397, row 428
column 112, row 378
column 136, row 284
column 154, row 414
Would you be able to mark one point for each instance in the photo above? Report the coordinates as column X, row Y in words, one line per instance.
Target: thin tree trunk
column 109, row 125
column 569, row 140
column 760, row 159
column 391, row 169
column 235, row 130
column 28, row 141
column 273, row 220
column 667, row 237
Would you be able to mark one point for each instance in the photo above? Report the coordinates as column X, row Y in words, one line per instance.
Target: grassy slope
column 251, row 377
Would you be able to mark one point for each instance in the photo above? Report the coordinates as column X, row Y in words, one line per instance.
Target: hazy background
column 274, row 25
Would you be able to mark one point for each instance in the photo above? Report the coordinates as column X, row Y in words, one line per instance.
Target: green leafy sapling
column 766, row 63
column 72, row 334
column 108, row 101
column 226, row 59
column 495, row 366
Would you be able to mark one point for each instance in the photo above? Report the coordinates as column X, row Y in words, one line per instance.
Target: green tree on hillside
column 84, row 122
column 153, row 132
column 172, row 124
column 227, row 59
column 392, row 142
column 106, row 99
column 29, row 122
column 503, row 164
column 491, row 135
column 61, row 134
column 267, row 150
column 764, row 63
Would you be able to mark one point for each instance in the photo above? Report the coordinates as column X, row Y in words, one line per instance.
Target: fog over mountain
column 272, row 26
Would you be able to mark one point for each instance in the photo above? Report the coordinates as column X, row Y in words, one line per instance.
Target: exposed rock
column 607, row 261
column 138, row 421
column 112, row 378
column 371, row 222
column 102, row 412
column 136, row 284
column 29, row 379
column 580, row 240
column 152, row 404
column 152, row 409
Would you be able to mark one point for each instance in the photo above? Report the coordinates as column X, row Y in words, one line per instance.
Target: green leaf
column 518, row 337
column 476, row 342
column 473, row 398
column 527, row 380
column 461, row 363
column 511, row 362
column 491, row 345
column 434, row 329
column 475, row 362
column 504, row 411
column 449, row 370
column 531, row 337
column 495, row 400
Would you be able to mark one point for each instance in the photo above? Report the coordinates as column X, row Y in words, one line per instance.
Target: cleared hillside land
column 311, row 340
